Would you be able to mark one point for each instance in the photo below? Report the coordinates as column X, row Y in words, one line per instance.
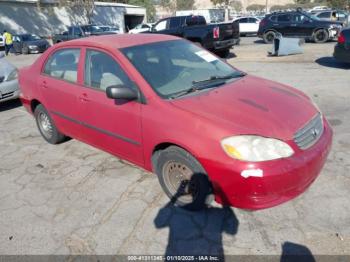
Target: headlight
column 13, row 75
column 255, row 148
column 32, row 47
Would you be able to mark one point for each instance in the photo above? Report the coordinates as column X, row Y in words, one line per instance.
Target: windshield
column 30, row 37
column 173, row 67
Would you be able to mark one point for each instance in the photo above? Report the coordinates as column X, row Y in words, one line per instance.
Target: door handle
column 84, row 98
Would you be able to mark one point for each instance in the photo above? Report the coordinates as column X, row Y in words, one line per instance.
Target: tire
column 46, row 126
column 321, row 36
column 269, row 36
column 179, row 172
column 25, row 50
column 223, row 53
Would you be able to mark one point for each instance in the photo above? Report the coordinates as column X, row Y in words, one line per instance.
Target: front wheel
column 46, row 126
column 321, row 36
column 269, row 37
column 182, row 178
column 25, row 50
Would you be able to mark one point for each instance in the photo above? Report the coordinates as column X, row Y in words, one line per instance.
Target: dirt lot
column 74, row 199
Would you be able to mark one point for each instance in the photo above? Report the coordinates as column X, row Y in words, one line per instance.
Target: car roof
column 119, row 41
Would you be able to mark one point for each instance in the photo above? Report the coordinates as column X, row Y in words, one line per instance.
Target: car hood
column 252, row 105
column 40, row 42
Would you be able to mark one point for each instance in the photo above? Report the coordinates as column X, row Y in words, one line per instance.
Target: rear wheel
column 321, row 36
column 46, row 126
column 223, row 53
column 182, row 178
column 269, row 36
column 25, row 50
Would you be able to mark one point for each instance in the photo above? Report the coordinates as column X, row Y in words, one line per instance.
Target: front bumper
column 225, row 44
column 9, row 90
column 341, row 54
column 282, row 179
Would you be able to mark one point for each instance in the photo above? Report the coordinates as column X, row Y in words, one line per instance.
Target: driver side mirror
column 121, row 92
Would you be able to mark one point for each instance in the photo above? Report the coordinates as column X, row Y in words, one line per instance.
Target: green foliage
column 338, row 4
column 184, row 4
column 237, row 6
column 220, row 2
column 255, row 7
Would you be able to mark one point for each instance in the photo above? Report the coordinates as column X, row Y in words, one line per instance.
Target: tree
column 221, row 2
column 338, row 4
column 84, row 8
column 256, row 7
column 237, row 6
column 184, row 4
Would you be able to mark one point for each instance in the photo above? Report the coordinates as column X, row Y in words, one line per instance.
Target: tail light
column 341, row 38
column 262, row 23
column 216, row 32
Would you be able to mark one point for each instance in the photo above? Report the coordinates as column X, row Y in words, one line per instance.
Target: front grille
column 7, row 95
column 309, row 134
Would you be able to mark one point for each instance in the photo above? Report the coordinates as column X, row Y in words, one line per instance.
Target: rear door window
column 284, row 18
column 63, row 64
column 324, row 15
column 243, row 20
column 175, row 22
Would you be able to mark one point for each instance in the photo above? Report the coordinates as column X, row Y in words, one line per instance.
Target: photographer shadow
column 197, row 233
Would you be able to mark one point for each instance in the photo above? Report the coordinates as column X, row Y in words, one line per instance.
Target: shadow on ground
column 294, row 252
column 331, row 62
column 9, row 105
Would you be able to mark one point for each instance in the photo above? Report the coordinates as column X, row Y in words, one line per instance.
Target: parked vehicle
column 298, row 24
column 141, row 28
column 218, row 38
column 171, row 107
column 248, row 25
column 29, row 44
column 75, row 32
column 2, row 43
column 111, row 29
column 342, row 48
column 8, row 80
column 214, row 15
column 333, row 15
column 319, row 8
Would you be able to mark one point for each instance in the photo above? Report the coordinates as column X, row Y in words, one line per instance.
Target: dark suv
column 298, row 24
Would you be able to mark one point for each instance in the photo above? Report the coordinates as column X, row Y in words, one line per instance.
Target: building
column 47, row 17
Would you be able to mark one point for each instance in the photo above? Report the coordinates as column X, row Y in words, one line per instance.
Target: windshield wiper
column 213, row 81
column 215, row 78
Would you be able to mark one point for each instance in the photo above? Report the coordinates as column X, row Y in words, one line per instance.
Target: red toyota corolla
column 205, row 128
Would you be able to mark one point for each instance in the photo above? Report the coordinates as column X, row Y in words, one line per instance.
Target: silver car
column 8, row 80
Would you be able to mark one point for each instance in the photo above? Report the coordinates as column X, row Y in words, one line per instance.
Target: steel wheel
column 177, row 177
column 321, row 36
column 45, row 125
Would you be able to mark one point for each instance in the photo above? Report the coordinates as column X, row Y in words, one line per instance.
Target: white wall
column 49, row 19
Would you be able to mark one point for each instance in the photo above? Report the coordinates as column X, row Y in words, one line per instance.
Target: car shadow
column 9, row 105
column 259, row 41
column 295, row 252
column 197, row 233
column 332, row 62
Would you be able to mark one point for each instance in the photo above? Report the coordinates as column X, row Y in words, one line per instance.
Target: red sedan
column 205, row 128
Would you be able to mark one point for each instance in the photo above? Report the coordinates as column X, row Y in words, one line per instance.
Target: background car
column 8, row 80
column 342, row 48
column 298, row 24
column 141, row 28
column 29, row 44
column 111, row 29
column 333, row 15
column 2, row 43
column 248, row 25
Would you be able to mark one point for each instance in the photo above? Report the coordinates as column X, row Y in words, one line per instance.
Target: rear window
column 273, row 18
column 195, row 20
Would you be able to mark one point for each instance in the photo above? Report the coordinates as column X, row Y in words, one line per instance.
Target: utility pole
column 266, row 6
